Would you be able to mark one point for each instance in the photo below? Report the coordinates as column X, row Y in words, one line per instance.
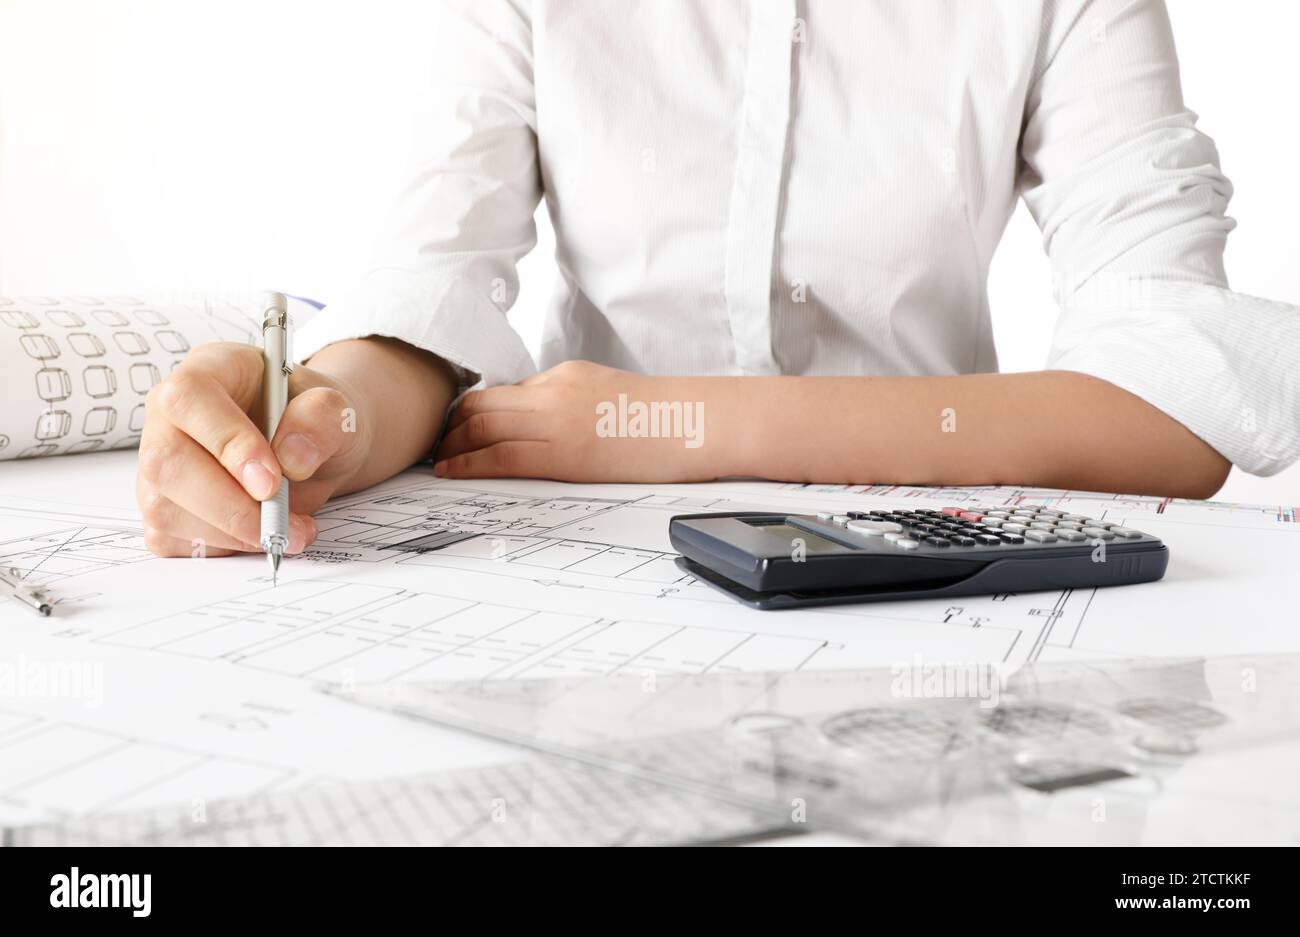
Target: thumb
column 318, row 427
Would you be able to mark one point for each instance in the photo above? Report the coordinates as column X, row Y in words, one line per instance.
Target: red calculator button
column 951, row 512
column 973, row 516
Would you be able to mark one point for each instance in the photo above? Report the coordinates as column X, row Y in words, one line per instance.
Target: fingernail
column 440, row 468
column 258, row 480
column 298, row 455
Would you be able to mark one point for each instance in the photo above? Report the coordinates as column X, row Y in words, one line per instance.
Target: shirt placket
column 756, row 188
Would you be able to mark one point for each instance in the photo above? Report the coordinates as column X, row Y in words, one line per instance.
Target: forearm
column 1055, row 429
column 403, row 393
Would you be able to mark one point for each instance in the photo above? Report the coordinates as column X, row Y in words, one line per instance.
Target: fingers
column 313, row 431
column 505, row 397
column 180, row 470
column 515, row 459
column 161, row 544
column 201, row 407
column 168, row 527
column 487, row 429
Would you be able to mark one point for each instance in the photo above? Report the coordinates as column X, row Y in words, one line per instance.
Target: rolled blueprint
column 75, row 370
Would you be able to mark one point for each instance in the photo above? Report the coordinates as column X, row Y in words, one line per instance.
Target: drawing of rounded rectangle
column 132, row 343
column 4, row 440
column 65, row 318
column 172, row 341
column 99, row 380
column 19, row 319
column 125, row 301
column 53, row 424
column 151, row 317
column 86, row 345
column 53, row 384
column 40, row 347
column 130, row 442
column 86, row 445
column 143, row 376
column 87, row 300
column 39, row 300
column 98, row 421
column 136, row 421
column 111, row 317
column 37, row 451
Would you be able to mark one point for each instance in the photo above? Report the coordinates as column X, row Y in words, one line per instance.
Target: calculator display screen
column 812, row 542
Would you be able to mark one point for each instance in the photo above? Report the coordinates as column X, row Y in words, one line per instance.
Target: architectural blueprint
column 201, row 662
column 74, row 370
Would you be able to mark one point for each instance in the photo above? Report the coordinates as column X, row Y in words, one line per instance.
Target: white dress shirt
column 817, row 187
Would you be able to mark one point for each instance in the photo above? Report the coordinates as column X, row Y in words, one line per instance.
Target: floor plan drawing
column 425, row 579
column 73, row 770
column 347, row 632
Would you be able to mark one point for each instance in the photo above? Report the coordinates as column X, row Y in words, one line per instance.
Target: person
column 777, row 217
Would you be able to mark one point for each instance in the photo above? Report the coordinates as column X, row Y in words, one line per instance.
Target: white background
column 195, row 144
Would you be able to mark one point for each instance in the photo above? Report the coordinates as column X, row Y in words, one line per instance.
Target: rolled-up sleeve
column 1131, row 203
column 444, row 273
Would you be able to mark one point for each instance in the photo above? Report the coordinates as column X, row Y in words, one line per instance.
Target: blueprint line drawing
column 53, row 554
column 429, row 579
column 73, row 769
column 345, row 632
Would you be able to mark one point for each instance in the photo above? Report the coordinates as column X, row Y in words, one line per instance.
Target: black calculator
column 773, row 561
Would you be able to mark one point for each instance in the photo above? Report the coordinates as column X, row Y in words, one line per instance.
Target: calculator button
column 1077, row 517
column 825, row 516
column 1002, row 514
column 839, row 520
column 1012, row 539
column 1072, row 525
column 961, row 541
column 928, row 513
column 857, row 515
column 951, row 512
column 1100, row 533
column 1126, row 533
column 1015, row 528
column 1042, row 525
column 1067, row 533
column 1032, row 507
column 936, row 541
column 971, row 516
column 1041, row 536
column 988, row 540
column 874, row 528
column 894, row 536
column 907, row 544
column 992, row 522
